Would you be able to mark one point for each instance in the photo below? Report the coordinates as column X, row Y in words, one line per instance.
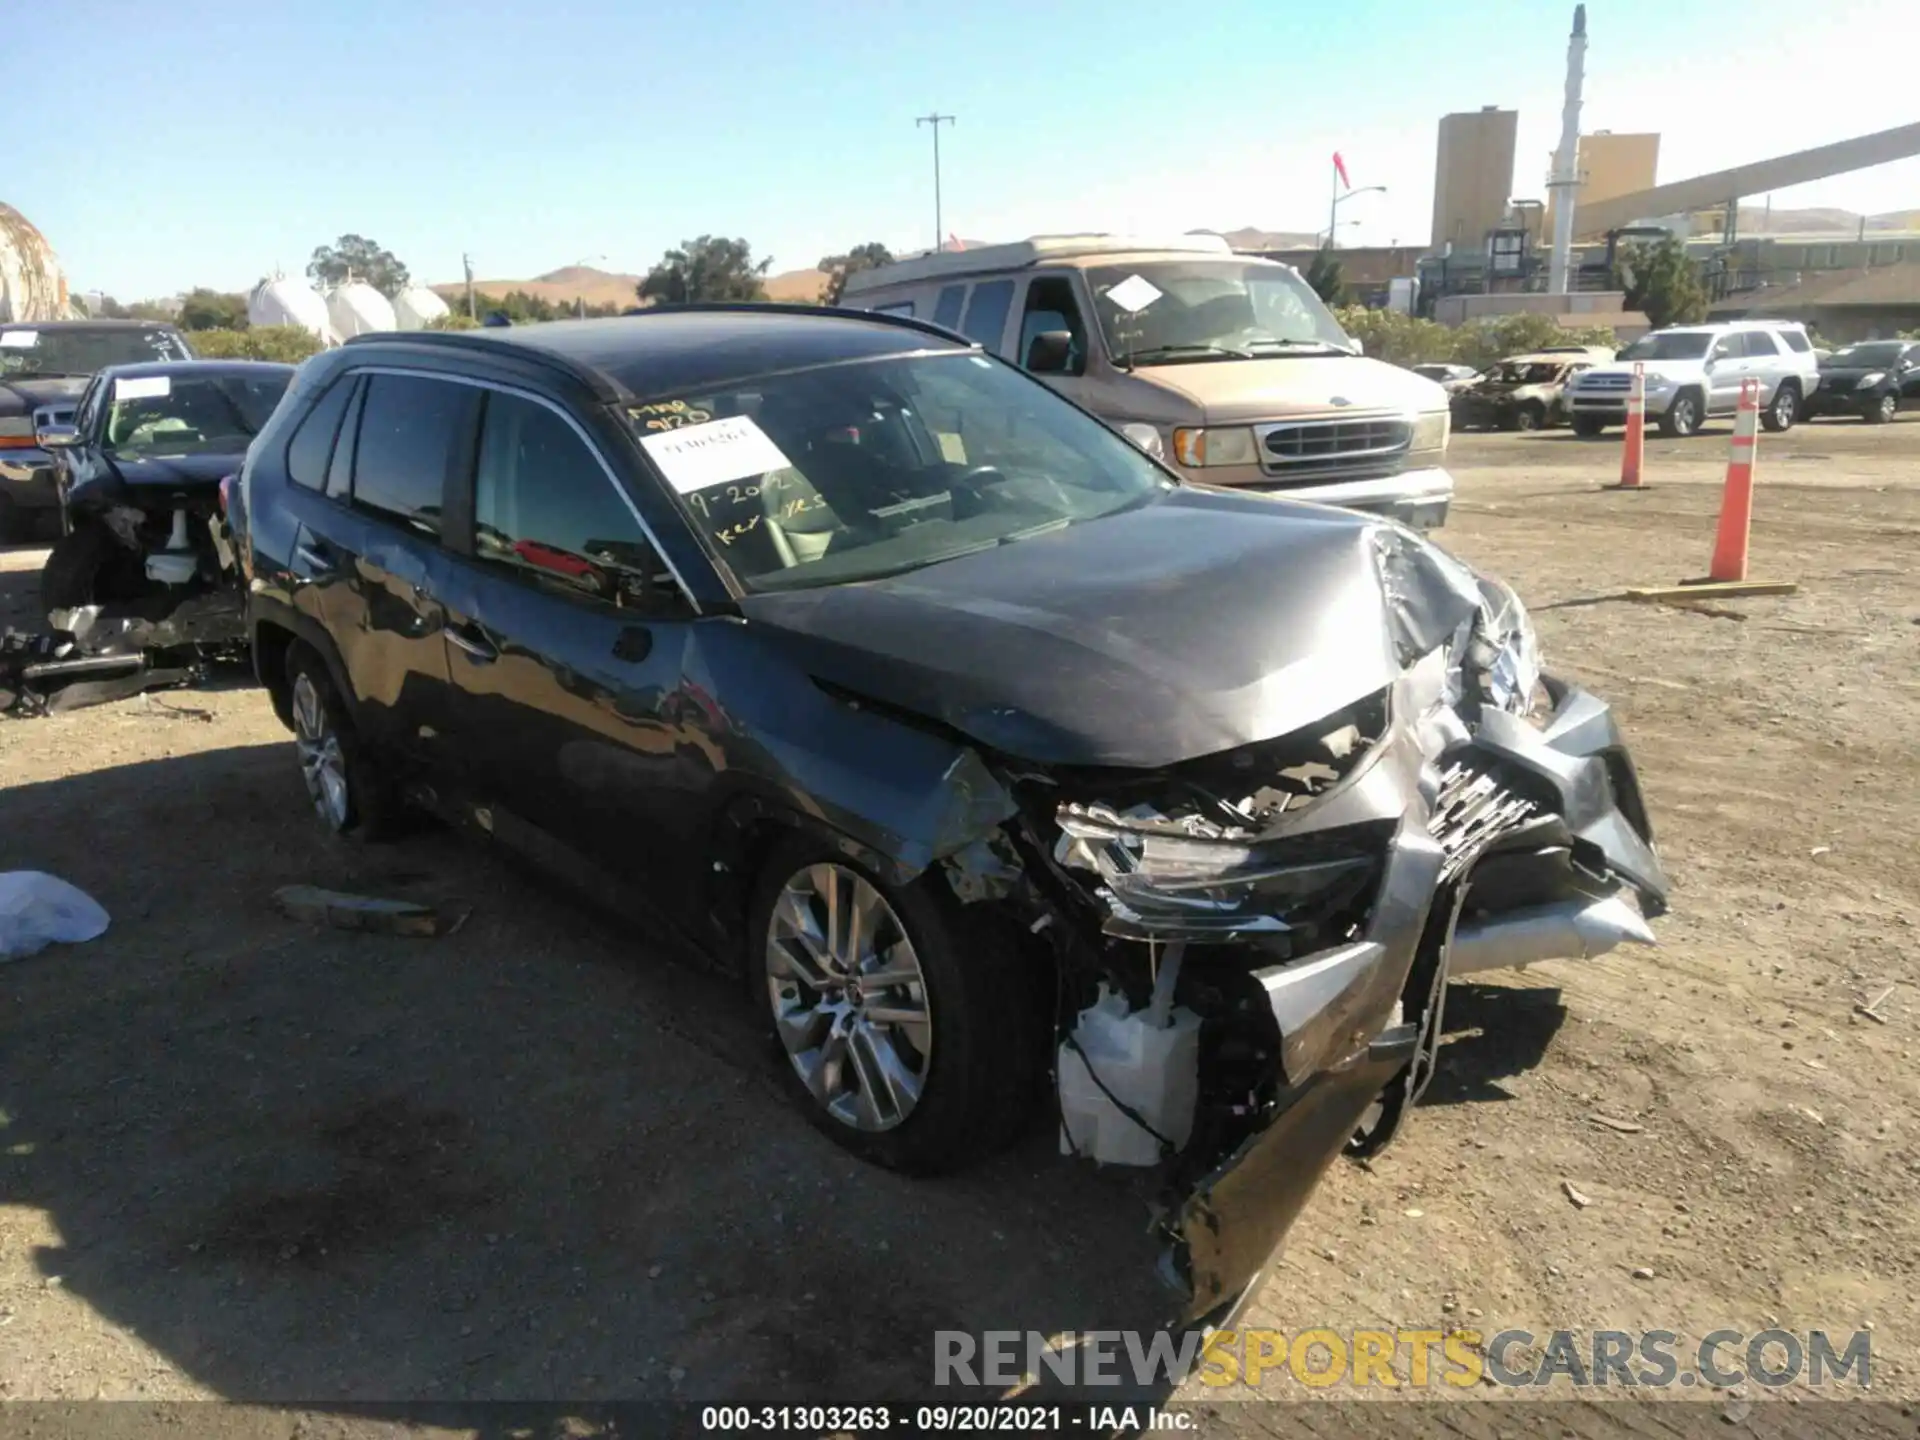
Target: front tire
column 1682, row 417
column 910, row 1029
column 1785, row 408
column 1588, row 427
column 1882, row 410
column 1530, row 416
column 89, row 567
column 345, row 784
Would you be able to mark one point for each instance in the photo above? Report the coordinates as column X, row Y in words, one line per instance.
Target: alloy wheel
column 323, row 765
column 1889, row 407
column 849, row 1000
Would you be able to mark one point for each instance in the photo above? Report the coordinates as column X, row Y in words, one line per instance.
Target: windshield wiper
column 1303, row 345
column 1164, row 352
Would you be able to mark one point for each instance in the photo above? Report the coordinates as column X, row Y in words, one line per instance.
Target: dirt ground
column 538, row 1160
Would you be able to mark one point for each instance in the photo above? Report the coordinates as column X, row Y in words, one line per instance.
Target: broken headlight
column 1503, row 655
column 1201, row 851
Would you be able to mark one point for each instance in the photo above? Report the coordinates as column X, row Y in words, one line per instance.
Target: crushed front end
column 1254, row 945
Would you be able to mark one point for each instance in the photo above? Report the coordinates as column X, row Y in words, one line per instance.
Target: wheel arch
column 273, row 640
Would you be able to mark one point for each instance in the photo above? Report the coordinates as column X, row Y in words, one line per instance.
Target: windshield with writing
column 1176, row 311
column 850, row 472
column 199, row 416
column 26, row 351
column 1667, row 347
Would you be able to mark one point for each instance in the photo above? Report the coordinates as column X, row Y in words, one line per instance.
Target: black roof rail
column 497, row 342
column 785, row 307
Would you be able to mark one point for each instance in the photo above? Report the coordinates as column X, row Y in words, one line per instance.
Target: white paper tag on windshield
column 19, row 339
column 1134, row 293
column 696, row 456
column 142, row 387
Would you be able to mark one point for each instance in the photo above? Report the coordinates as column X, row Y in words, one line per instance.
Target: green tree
column 149, row 310
column 357, row 257
column 1326, row 277
column 289, row 344
column 204, row 309
column 870, row 256
column 454, row 320
column 1661, row 281
column 709, row 268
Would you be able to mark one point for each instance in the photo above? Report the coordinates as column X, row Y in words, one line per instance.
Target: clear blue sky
column 206, row 141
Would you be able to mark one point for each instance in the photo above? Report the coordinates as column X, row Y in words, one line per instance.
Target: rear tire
column 345, row 784
column 1682, row 417
column 1882, row 410
column 1530, row 416
column 1785, row 408
column 977, row 1059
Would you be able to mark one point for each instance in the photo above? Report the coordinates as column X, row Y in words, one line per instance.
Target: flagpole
column 1333, row 206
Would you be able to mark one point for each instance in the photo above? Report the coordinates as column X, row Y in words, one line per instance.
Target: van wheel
column 906, row 1027
column 1785, row 408
column 347, row 789
column 1682, row 417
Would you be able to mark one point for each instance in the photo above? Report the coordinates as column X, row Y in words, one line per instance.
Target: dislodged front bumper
column 1523, row 801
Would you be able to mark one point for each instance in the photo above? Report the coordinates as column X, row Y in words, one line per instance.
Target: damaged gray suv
column 1016, row 777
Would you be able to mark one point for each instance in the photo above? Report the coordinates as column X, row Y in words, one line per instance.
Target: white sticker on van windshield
column 1135, row 293
column 696, row 456
column 19, row 339
column 142, row 387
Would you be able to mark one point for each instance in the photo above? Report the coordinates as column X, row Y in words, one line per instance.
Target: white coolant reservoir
column 1150, row 1062
column 177, row 564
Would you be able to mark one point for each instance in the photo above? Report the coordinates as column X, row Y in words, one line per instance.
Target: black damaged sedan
column 1017, row 779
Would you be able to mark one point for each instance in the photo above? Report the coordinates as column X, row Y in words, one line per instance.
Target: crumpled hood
column 20, row 397
column 1198, row 624
column 180, row 472
column 1289, row 386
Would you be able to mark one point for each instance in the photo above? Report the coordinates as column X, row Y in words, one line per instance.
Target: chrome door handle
column 477, row 648
column 315, row 562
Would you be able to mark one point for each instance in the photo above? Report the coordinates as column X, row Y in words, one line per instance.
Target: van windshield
column 1164, row 312
column 853, row 471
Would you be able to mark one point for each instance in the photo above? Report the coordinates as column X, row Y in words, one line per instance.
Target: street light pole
column 1333, row 211
column 936, row 120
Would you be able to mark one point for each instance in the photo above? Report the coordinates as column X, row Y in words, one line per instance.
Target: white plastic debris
column 38, row 910
column 1151, row 1069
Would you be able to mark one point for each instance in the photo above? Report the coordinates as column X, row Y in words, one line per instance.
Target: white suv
column 1694, row 371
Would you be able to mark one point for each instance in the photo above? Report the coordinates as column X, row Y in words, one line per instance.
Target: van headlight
column 1213, row 445
column 1429, row 432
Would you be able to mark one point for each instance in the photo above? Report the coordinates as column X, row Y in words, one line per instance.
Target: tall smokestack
column 1565, row 183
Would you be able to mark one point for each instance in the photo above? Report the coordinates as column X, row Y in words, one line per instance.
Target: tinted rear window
column 312, row 444
column 946, row 310
column 987, row 311
column 1760, row 344
column 408, row 427
column 1796, row 341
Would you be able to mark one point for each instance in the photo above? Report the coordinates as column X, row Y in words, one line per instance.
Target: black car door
column 369, row 545
column 566, row 634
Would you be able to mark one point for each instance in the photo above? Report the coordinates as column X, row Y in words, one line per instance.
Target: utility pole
column 466, row 262
column 936, row 120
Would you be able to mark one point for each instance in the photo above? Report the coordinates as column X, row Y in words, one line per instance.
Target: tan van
column 1226, row 366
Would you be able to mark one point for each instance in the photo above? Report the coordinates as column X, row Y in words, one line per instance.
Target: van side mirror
column 1050, row 352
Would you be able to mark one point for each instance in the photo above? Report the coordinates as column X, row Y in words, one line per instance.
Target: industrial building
column 1473, row 175
column 1611, row 165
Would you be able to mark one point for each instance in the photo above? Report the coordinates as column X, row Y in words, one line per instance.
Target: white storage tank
column 281, row 301
column 417, row 307
column 32, row 286
column 356, row 308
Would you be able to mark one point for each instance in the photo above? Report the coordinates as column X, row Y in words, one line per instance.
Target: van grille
column 1302, row 448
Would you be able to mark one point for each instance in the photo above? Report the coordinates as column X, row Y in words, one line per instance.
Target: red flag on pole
column 1340, row 169
column 953, row 242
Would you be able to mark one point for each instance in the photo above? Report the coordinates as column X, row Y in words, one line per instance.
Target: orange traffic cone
column 1728, row 573
column 1736, row 499
column 1633, row 450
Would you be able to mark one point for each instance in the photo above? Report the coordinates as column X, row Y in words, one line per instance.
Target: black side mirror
column 1050, row 352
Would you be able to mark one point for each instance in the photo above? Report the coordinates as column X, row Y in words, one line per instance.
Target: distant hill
column 563, row 287
column 1250, row 237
